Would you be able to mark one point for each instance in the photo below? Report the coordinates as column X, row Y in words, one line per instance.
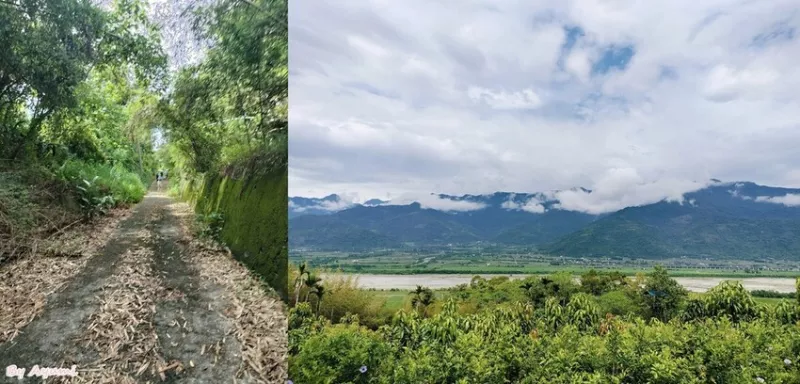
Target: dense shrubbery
column 226, row 121
column 209, row 226
column 605, row 329
column 76, row 82
column 338, row 298
column 98, row 179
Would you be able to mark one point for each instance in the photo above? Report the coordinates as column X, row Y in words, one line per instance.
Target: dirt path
column 154, row 305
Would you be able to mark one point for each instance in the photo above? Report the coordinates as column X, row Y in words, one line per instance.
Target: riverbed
column 439, row 281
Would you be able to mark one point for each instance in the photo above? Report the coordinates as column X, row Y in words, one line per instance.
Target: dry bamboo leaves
column 122, row 332
column 26, row 282
column 259, row 316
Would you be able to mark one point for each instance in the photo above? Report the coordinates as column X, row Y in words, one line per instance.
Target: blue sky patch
column 613, row 57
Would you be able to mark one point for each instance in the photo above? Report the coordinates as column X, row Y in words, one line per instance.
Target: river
column 434, row 281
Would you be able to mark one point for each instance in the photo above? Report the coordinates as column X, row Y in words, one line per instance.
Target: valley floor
column 505, row 262
column 137, row 299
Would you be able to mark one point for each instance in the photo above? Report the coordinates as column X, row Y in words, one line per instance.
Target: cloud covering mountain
column 724, row 220
column 636, row 101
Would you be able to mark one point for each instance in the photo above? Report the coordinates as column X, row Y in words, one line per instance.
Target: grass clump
column 209, row 226
column 94, row 181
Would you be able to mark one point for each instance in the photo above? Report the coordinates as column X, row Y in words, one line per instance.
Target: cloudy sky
column 638, row 101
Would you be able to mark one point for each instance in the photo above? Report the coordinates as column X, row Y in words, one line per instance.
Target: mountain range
column 740, row 220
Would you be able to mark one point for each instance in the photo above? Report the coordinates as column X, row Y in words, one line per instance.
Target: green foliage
column 496, row 346
column 514, row 341
column 730, row 299
column 342, row 298
column 52, row 46
column 93, row 181
column 597, row 283
column 230, row 110
column 582, row 312
column 661, row 296
column 210, row 226
column 797, row 289
column 618, row 303
column 560, row 286
column 338, row 354
column 421, row 299
column 772, row 294
column 787, row 312
column 94, row 199
column 255, row 215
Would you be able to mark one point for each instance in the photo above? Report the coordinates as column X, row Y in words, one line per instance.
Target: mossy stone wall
column 255, row 213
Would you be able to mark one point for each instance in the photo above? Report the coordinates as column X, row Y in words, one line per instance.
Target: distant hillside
column 331, row 233
column 501, row 220
column 725, row 220
column 299, row 206
column 722, row 221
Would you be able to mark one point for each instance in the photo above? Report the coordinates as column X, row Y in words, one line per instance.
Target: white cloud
column 533, row 205
column 492, row 98
column 344, row 201
column 429, row 201
column 789, row 199
column 736, row 193
column 579, row 64
column 726, row 84
column 334, row 206
column 526, row 99
column 624, row 187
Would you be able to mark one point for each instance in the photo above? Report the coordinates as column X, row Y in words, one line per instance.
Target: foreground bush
column 100, row 185
column 495, row 346
column 339, row 297
column 530, row 332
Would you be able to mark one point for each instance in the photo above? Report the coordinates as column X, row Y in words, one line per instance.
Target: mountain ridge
column 733, row 219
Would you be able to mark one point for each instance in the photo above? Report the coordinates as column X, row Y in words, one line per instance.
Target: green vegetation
column 85, row 94
column 76, row 85
column 209, row 226
column 338, row 297
column 249, row 216
column 226, row 121
column 604, row 328
column 93, row 179
column 772, row 294
column 476, row 260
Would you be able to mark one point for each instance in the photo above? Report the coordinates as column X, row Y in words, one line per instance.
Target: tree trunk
column 141, row 165
column 298, row 286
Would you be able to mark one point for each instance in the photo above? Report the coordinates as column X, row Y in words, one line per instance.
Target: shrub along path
column 153, row 305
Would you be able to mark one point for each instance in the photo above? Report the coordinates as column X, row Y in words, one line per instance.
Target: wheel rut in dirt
column 188, row 322
column 45, row 340
column 151, row 306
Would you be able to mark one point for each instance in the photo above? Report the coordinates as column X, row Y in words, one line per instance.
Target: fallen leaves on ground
column 26, row 282
column 259, row 315
column 121, row 332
